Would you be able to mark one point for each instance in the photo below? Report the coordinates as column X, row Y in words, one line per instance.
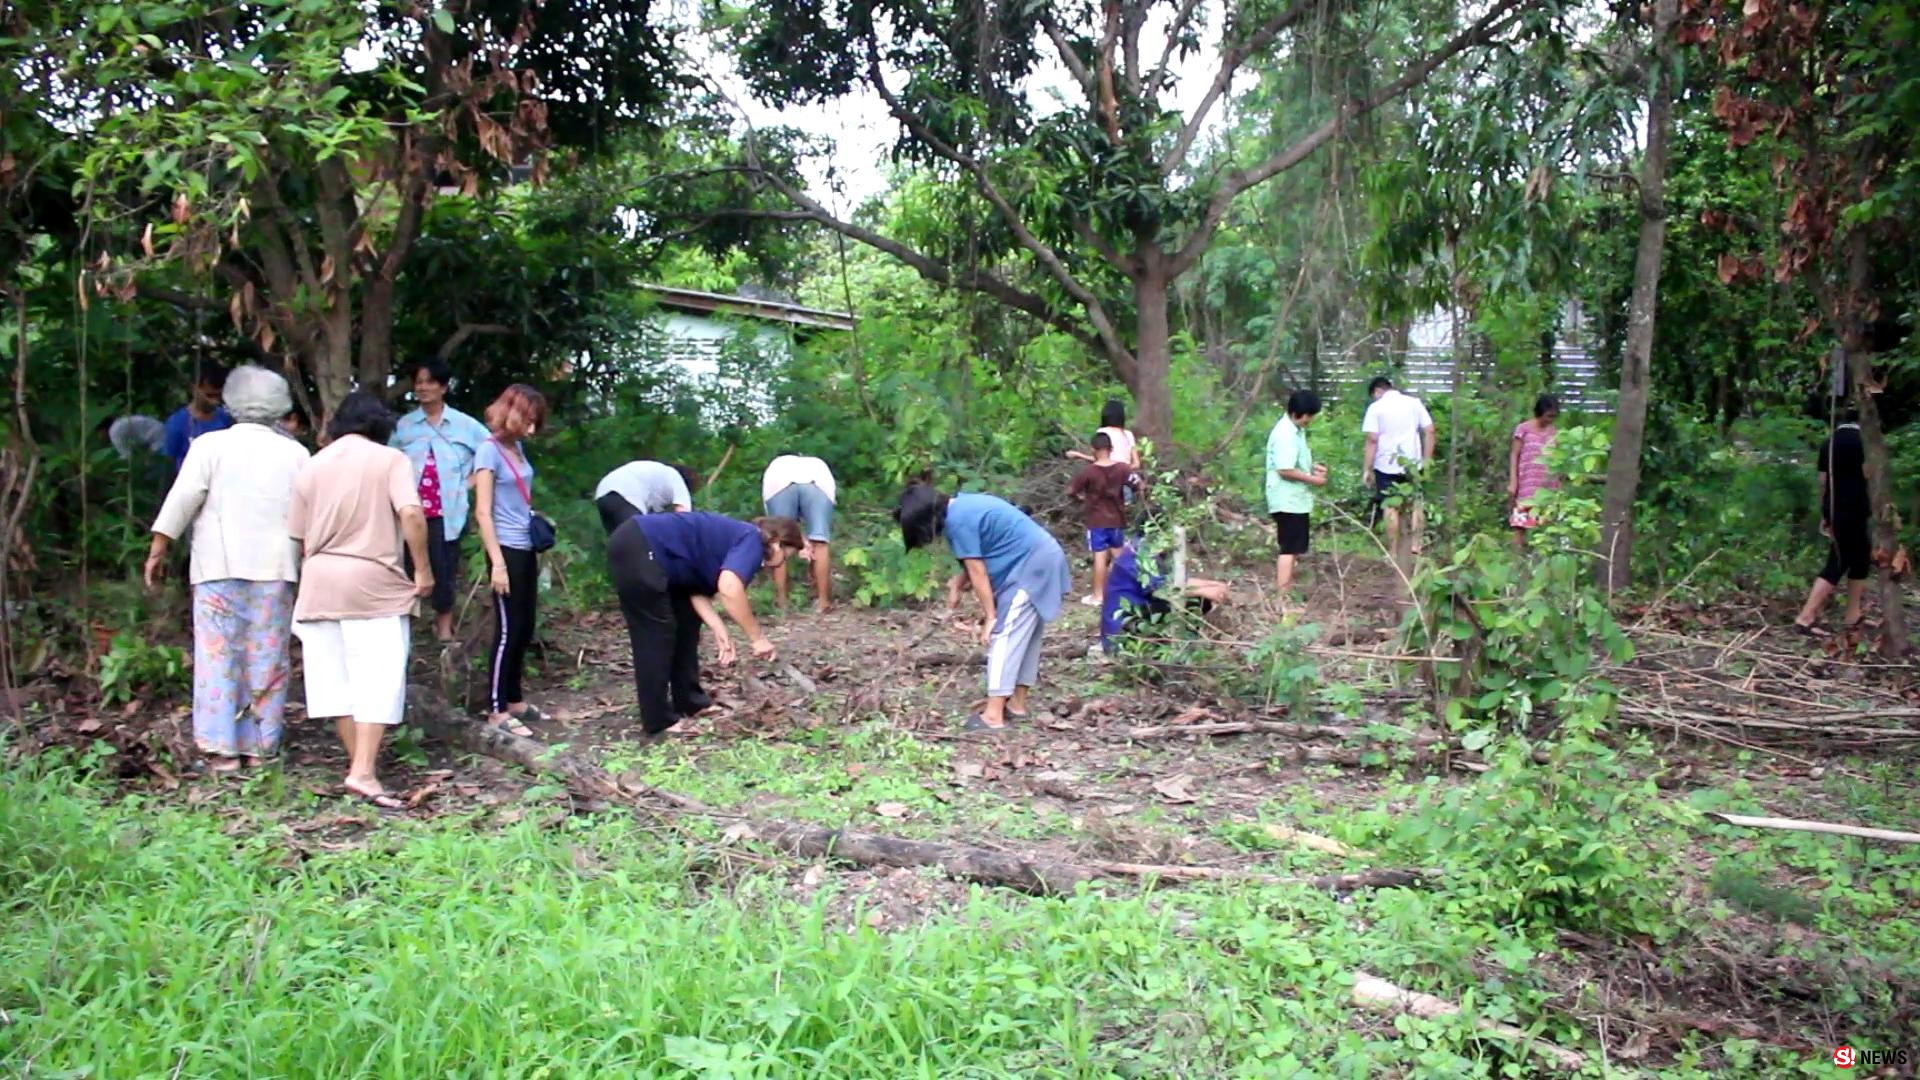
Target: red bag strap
column 517, row 478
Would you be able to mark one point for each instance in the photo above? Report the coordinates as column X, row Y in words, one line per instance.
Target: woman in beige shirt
column 351, row 505
column 232, row 493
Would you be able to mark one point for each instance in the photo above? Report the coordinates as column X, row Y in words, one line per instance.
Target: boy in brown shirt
column 1101, row 489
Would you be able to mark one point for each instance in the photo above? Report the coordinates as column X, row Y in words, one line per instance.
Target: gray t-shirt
column 512, row 510
column 652, row 488
column 136, row 432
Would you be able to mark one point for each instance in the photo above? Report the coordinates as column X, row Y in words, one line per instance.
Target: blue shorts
column 1106, row 539
column 807, row 505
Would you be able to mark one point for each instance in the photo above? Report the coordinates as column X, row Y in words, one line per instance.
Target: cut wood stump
column 1793, row 825
column 1289, row 835
column 1283, row 728
column 1378, row 993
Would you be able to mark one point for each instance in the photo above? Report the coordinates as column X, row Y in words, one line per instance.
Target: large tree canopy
column 1098, row 206
column 288, row 149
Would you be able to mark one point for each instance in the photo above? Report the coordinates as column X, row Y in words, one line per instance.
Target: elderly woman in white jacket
column 232, row 495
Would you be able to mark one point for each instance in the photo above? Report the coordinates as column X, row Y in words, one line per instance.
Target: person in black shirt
column 1846, row 518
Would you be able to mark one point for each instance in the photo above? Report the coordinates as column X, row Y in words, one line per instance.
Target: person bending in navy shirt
column 668, row 568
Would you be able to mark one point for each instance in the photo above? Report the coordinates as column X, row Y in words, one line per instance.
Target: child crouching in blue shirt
column 1135, row 588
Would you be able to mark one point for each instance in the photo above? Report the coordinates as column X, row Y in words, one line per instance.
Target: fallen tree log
column 1794, row 825
column 428, row 709
column 1385, row 878
column 1284, row 728
column 1661, row 716
column 1378, row 993
column 985, row 865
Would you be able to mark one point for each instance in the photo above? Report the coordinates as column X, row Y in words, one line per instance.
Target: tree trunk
column 376, row 306
column 1454, row 422
column 333, row 369
column 376, row 336
column 1152, row 401
column 1873, row 438
column 1615, row 568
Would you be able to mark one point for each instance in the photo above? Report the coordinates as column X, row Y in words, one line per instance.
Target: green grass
column 142, row 939
column 138, row 939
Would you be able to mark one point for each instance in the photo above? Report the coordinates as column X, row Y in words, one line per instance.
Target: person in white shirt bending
column 802, row 488
column 1400, row 438
column 643, row 487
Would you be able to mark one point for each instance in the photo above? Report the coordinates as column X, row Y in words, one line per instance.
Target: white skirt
column 356, row 667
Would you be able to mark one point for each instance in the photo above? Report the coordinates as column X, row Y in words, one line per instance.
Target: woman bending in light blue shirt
column 1018, row 574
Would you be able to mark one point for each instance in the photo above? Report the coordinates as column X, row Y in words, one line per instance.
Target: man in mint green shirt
column 1291, row 477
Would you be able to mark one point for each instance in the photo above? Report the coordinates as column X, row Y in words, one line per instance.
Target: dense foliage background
column 334, row 189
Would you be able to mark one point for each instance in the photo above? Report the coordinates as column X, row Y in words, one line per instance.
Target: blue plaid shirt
column 452, row 444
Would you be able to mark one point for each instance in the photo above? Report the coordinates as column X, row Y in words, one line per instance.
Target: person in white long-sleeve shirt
column 233, row 491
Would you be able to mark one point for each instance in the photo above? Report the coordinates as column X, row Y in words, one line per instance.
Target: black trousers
column 614, row 509
column 443, row 557
column 513, row 626
column 662, row 629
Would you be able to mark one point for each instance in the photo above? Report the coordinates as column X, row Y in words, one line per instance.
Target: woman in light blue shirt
column 441, row 442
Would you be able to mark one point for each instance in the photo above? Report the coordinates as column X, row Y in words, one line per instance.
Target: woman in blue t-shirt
column 667, row 570
column 503, row 507
column 1018, row 574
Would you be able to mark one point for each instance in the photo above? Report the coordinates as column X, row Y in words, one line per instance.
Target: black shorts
column 1291, row 531
column 1383, row 485
column 1850, row 553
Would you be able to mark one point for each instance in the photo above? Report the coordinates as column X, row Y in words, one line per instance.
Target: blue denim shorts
column 1106, row 539
column 809, row 506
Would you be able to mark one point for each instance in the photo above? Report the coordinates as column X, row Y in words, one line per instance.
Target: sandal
column 531, row 715
column 512, row 726
column 978, row 723
column 217, row 765
column 383, row 801
column 1811, row 631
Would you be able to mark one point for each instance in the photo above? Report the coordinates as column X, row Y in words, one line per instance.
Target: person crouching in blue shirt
column 1018, row 574
column 1135, row 586
column 667, row 570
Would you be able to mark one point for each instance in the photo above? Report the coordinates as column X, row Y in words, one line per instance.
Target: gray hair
column 254, row 395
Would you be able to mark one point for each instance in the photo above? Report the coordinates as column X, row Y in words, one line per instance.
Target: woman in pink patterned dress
column 1526, row 468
